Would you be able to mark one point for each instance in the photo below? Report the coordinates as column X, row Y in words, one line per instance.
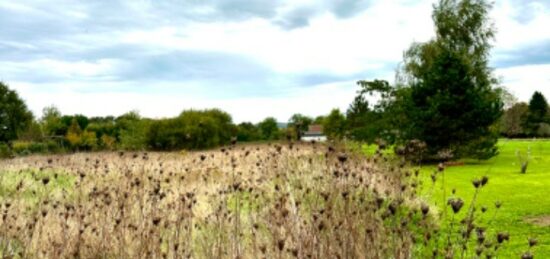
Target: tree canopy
column 14, row 114
column 446, row 93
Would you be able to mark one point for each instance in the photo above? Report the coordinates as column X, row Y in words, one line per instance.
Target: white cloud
column 523, row 81
column 512, row 32
column 344, row 46
column 83, row 65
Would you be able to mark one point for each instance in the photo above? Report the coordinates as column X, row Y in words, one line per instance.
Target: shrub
column 5, row 151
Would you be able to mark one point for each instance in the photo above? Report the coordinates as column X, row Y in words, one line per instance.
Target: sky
column 251, row 58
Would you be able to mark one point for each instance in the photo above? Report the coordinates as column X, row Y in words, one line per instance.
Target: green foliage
column 364, row 124
column 445, row 96
column 51, row 122
column 247, row 131
column 451, row 109
column 14, row 114
column 5, row 151
column 319, row 119
column 67, row 121
column 300, row 123
column 537, row 115
column 191, row 130
column 81, row 140
column 132, row 131
column 269, row 129
column 334, row 125
column 511, row 123
column 33, row 132
column 538, row 107
column 32, row 147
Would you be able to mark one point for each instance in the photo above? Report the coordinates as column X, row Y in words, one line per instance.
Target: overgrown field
column 524, row 198
column 264, row 201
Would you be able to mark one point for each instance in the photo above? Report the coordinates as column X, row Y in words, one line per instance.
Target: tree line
column 23, row 133
column 527, row 120
column 445, row 103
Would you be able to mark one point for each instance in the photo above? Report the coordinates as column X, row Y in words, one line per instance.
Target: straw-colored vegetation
column 272, row 201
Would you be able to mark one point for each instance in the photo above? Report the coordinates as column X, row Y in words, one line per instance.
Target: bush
column 544, row 130
column 29, row 147
column 191, row 130
column 5, row 151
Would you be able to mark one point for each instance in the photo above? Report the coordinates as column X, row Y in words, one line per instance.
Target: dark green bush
column 5, row 151
column 191, row 130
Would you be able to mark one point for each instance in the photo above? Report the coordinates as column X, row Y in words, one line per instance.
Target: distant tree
column 357, row 117
column 14, row 114
column 88, row 140
column 319, row 120
column 388, row 119
column 508, row 99
column 51, row 121
column 192, row 129
column 32, row 133
column 269, row 129
column 300, row 123
column 132, row 131
column 538, row 106
column 108, row 142
column 67, row 120
column 247, row 131
column 512, row 120
column 335, row 125
column 538, row 113
column 74, row 134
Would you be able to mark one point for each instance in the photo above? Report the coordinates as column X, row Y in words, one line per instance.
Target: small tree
column 269, row 129
column 513, row 119
column 335, row 125
column 88, row 140
column 538, row 112
column 74, row 134
column 247, row 131
column 300, row 123
column 51, row 121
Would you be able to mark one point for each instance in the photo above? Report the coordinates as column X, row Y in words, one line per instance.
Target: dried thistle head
column 533, row 242
column 503, row 236
column 456, row 204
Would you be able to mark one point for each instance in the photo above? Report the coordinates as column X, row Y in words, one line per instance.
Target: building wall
column 316, row 138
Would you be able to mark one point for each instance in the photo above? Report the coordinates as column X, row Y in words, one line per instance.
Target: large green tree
column 446, row 93
column 15, row 117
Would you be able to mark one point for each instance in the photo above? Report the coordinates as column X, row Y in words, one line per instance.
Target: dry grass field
column 255, row 201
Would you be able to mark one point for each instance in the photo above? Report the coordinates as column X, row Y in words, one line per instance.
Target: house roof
column 314, row 130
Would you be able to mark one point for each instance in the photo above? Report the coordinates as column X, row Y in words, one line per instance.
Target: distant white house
column 314, row 133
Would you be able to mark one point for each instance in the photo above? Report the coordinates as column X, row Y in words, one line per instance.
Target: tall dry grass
column 265, row 201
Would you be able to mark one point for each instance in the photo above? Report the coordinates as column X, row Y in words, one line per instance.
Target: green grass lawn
column 522, row 195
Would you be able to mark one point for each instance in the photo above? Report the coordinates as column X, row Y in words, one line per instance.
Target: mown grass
column 522, row 195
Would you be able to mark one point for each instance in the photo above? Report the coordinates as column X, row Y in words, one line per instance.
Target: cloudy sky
column 252, row 58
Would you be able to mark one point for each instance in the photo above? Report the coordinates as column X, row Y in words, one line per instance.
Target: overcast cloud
column 252, row 58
